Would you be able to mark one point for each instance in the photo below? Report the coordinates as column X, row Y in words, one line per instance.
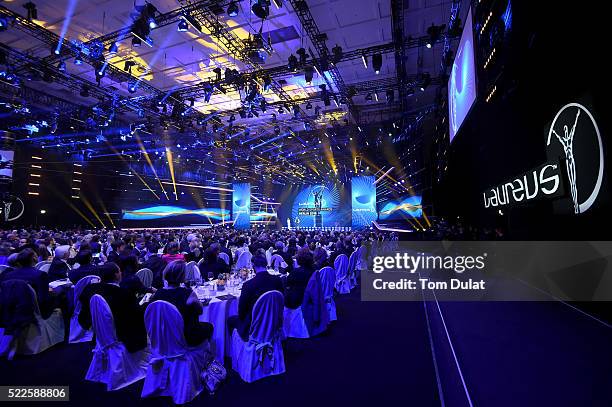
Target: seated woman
column 298, row 279
column 173, row 254
column 185, row 300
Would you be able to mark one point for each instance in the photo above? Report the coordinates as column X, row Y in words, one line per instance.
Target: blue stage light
column 182, row 26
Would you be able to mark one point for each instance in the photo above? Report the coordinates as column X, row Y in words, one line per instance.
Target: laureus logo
column 11, row 208
column 576, row 131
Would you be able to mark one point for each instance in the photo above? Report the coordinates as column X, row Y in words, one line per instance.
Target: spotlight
column 152, row 23
column 337, row 50
column 136, row 42
column 364, row 59
column 242, row 113
column 267, row 83
column 263, row 105
column 308, row 74
column 182, row 26
column 296, row 111
column 261, row 9
column 32, row 11
column 434, row 32
column 232, row 118
column 308, row 105
column 377, row 62
column 302, row 54
column 78, row 60
column 217, row 71
column 191, row 102
column 57, row 49
column 61, row 66
column 292, row 63
column 132, row 86
column 112, row 49
column 3, row 24
column 425, row 82
column 232, row 9
column 281, row 110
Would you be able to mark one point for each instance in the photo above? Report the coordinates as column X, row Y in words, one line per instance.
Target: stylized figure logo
column 8, row 204
column 567, row 142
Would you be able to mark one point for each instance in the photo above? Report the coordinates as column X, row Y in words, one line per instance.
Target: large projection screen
column 462, row 82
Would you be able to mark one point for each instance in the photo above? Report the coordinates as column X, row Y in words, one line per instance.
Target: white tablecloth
column 217, row 312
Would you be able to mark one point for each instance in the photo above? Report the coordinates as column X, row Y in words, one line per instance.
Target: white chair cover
column 146, row 277
column 342, row 282
column 262, row 355
column 225, row 257
column 36, row 337
column 175, row 368
column 244, row 260
column 278, row 262
column 294, row 325
column 4, row 267
column 269, row 256
column 328, row 281
column 77, row 333
column 112, row 364
column 352, row 265
column 192, row 272
column 43, row 266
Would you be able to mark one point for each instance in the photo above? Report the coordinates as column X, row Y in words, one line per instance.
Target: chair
column 77, row 333
column 342, row 281
column 4, row 267
column 43, row 266
column 175, row 368
column 262, row 355
column 31, row 334
column 312, row 317
column 278, row 262
column 244, row 260
column 328, row 281
column 269, row 256
column 192, row 272
column 352, row 265
column 225, row 257
column 112, row 364
column 146, row 277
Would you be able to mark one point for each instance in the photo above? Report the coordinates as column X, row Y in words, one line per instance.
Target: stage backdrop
column 363, row 201
column 241, row 206
column 318, row 205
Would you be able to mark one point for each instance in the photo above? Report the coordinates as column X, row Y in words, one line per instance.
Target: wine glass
column 211, row 276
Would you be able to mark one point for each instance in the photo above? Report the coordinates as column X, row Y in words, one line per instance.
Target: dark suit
column 128, row 316
column 86, row 270
column 58, row 270
column 216, row 267
column 297, row 281
column 251, row 291
column 113, row 257
column 229, row 254
column 39, row 280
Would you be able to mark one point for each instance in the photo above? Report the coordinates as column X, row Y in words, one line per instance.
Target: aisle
column 376, row 353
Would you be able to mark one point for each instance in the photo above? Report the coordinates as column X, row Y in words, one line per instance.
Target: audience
column 172, row 252
column 187, row 303
column 85, row 268
column 212, row 263
column 59, row 268
column 297, row 280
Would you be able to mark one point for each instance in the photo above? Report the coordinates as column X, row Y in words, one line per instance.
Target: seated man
column 58, row 270
column 83, row 258
column 128, row 316
column 39, row 280
column 251, row 291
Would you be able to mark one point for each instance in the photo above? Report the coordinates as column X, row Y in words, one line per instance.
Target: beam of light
column 384, row 175
column 113, row 149
column 72, row 206
column 101, row 203
column 171, row 165
column 89, row 206
column 385, row 229
column 264, row 202
column 199, row 186
column 280, row 136
column 67, row 17
column 146, row 155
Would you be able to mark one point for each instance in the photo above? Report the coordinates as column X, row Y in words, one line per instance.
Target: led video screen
column 462, row 82
column 241, row 206
column 402, row 209
column 319, row 205
column 363, row 202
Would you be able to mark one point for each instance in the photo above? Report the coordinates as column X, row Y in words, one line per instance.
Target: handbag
column 213, row 375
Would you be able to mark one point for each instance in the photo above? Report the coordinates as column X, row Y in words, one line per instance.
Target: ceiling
column 179, row 63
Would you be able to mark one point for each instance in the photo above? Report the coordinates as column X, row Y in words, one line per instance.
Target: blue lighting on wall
column 241, row 205
column 402, row 209
column 363, row 201
column 163, row 212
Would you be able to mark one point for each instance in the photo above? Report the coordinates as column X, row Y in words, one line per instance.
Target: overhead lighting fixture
column 78, row 60
column 182, row 26
column 338, row 54
column 425, row 82
column 217, row 72
column 136, row 42
column 3, row 24
column 232, row 9
column 112, row 49
column 308, row 74
column 292, row 63
column 192, row 22
column 132, row 86
column 61, row 66
column 32, row 11
column 308, row 105
column 261, row 9
column 377, row 63
column 434, row 32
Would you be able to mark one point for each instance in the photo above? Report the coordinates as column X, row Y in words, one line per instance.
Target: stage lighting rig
column 308, row 105
column 308, row 74
column 303, row 56
column 217, row 72
column 263, row 105
column 84, row 91
column 61, row 66
column 3, row 24
column 267, row 83
column 78, row 60
column 390, row 96
column 325, row 95
column 296, row 111
column 338, row 54
column 112, row 49
column 232, row 9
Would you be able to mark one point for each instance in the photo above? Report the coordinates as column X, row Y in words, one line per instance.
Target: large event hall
column 305, row 203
